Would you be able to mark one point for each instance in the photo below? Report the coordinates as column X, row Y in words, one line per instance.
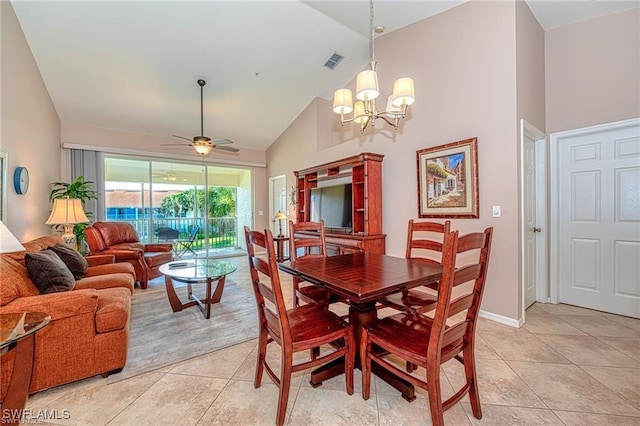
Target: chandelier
column 364, row 110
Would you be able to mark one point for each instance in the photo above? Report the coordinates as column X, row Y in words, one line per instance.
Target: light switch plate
column 496, row 211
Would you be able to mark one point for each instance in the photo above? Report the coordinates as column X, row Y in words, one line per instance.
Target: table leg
column 207, row 303
column 176, row 304
column 18, row 389
column 362, row 316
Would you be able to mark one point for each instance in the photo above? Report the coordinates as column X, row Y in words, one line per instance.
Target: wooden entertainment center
column 364, row 172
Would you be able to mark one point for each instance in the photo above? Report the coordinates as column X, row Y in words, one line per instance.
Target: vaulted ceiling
column 133, row 65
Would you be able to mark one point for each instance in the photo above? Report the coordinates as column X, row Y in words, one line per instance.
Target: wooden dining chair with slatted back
column 425, row 241
column 430, row 342
column 308, row 239
column 295, row 330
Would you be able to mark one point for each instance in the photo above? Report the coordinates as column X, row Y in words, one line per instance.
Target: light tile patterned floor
column 567, row 365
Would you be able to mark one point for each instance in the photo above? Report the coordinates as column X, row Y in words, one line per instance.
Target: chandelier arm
column 394, row 123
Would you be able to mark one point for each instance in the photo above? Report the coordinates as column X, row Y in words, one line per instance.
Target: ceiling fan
column 203, row 144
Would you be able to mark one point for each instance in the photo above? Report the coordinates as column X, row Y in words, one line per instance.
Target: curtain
column 90, row 164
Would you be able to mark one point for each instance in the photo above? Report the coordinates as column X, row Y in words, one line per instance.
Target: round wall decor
column 21, row 180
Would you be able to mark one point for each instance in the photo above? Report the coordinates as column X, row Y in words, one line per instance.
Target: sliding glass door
column 200, row 209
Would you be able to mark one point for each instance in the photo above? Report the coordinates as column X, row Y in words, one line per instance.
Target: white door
column 599, row 218
column 278, row 203
column 533, row 196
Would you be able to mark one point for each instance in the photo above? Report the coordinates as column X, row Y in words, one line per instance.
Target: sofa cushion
column 75, row 262
column 112, row 280
column 14, row 281
column 48, row 272
column 113, row 309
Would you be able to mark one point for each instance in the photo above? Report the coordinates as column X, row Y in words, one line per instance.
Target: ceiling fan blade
column 182, row 137
column 222, row 141
column 227, row 148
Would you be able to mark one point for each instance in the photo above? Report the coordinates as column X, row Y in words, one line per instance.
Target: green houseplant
column 80, row 189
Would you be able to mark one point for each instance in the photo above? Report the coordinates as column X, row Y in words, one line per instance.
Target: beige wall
column 530, row 67
column 464, row 65
column 30, row 130
column 592, row 70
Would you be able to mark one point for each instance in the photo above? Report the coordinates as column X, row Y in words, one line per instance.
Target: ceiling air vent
column 333, row 61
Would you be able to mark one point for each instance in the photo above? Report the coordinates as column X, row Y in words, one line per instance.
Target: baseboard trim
column 511, row 322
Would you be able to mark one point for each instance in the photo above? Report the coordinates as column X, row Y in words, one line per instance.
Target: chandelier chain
column 371, row 29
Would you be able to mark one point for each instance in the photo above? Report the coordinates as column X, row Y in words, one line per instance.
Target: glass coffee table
column 196, row 271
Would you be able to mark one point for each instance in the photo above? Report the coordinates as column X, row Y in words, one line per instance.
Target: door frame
column 541, row 267
column 554, row 225
column 272, row 211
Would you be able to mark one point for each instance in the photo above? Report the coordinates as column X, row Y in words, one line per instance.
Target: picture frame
column 4, row 166
column 448, row 180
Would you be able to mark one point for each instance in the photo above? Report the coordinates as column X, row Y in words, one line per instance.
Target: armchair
column 121, row 240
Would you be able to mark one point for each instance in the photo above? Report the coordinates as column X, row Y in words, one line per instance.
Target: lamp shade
column 67, row 211
column 367, row 85
column 8, row 243
column 280, row 216
column 342, row 101
column 358, row 112
column 403, row 92
column 392, row 111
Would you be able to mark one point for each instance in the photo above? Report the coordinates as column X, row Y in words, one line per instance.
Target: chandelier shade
column 365, row 112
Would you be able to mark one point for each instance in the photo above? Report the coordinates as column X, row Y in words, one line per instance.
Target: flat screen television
column 333, row 205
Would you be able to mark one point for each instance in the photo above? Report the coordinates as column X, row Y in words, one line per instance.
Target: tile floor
column 567, row 365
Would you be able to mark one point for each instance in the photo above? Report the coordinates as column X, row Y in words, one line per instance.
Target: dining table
column 362, row 279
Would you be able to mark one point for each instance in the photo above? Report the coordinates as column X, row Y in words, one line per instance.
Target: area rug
column 160, row 337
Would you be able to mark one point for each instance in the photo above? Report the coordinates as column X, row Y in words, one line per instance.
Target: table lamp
column 67, row 212
column 8, row 243
column 279, row 217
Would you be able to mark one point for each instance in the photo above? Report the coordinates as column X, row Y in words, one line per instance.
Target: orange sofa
column 89, row 329
column 121, row 240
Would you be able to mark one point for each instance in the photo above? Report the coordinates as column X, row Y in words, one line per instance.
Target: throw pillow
column 48, row 272
column 75, row 262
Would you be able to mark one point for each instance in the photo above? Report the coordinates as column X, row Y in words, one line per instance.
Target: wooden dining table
column 362, row 279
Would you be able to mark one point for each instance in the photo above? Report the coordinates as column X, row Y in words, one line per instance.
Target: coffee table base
column 204, row 305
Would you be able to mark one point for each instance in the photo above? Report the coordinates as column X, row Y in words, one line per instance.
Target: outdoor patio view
column 200, row 209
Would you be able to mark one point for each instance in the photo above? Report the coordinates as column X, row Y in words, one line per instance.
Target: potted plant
column 80, row 189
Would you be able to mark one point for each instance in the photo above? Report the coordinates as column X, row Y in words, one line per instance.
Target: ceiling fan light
column 403, row 92
column 202, row 148
column 342, row 101
column 367, row 85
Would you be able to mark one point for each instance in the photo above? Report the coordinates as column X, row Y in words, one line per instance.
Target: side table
column 279, row 242
column 17, row 332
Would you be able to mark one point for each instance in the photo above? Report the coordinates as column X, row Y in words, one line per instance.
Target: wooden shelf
column 365, row 172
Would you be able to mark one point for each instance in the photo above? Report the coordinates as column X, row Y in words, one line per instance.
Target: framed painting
column 448, row 180
column 4, row 165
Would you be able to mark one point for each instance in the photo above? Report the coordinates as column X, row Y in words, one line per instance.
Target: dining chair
column 424, row 241
column 430, row 342
column 312, row 244
column 295, row 330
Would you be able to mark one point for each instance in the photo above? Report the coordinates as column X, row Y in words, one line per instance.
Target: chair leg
column 315, row 353
column 365, row 364
column 262, row 353
column 472, row 379
column 285, row 385
column 435, row 394
column 350, row 360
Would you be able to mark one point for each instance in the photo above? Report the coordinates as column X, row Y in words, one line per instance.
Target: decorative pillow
column 48, row 272
column 75, row 262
